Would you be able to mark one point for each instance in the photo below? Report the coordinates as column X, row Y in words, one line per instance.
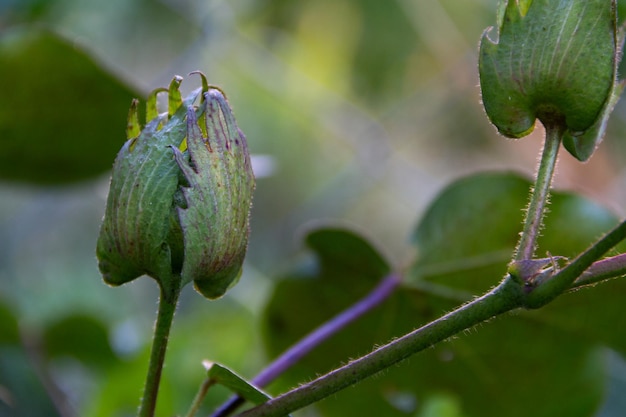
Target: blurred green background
column 356, row 111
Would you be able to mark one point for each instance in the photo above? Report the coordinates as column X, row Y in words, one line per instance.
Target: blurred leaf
column 223, row 332
column 82, row 337
column 465, row 240
column 441, row 406
column 346, row 268
column 9, row 333
column 387, row 43
column 472, row 227
column 21, row 391
column 13, row 12
column 62, row 117
column 383, row 48
column 468, row 234
column 237, row 384
column 615, row 401
column 119, row 392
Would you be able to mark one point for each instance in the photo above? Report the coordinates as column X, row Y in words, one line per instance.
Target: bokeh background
column 356, row 111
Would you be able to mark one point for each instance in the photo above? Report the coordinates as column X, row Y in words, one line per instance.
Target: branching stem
column 510, row 294
column 585, row 262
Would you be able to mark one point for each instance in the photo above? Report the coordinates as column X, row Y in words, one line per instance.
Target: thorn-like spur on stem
column 565, row 279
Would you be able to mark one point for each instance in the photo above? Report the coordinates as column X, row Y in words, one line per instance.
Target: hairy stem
column 602, row 270
column 165, row 315
column 507, row 296
column 540, row 193
column 315, row 338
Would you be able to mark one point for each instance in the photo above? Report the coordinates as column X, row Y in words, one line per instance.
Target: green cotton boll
column 556, row 61
column 179, row 203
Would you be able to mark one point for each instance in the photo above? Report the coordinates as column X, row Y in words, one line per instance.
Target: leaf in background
column 21, row 390
column 465, row 241
column 9, row 333
column 467, row 236
column 82, row 337
column 378, row 41
column 345, row 269
column 61, row 115
column 15, row 12
column 473, row 225
column 119, row 390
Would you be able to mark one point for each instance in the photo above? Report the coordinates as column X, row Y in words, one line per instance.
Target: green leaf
column 9, row 332
column 22, row 392
column 82, row 337
column 452, row 259
column 464, row 242
column 345, row 268
column 473, row 225
column 118, row 390
column 56, row 110
column 468, row 234
column 235, row 383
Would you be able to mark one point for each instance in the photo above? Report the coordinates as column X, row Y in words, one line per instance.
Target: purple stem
column 601, row 270
column 315, row 338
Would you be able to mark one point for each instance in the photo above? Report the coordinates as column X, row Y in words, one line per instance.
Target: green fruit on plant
column 555, row 61
column 180, row 196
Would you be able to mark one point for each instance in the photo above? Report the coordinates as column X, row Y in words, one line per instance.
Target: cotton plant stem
column 316, row 337
column 540, row 193
column 167, row 306
column 505, row 297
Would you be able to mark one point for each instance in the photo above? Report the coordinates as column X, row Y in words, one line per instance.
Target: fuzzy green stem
column 540, row 192
column 165, row 315
column 505, row 297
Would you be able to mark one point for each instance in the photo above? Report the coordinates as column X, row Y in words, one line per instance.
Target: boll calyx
column 555, row 61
